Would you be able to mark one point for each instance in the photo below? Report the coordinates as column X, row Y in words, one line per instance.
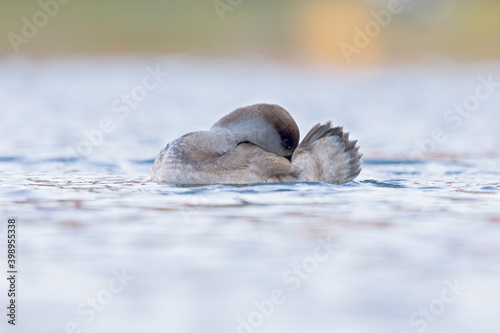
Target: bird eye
column 286, row 143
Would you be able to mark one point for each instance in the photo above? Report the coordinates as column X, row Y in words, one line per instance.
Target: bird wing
column 326, row 154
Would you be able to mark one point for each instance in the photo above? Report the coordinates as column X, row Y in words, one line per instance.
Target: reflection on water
column 104, row 249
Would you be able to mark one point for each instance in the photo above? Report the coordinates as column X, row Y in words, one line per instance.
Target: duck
column 259, row 144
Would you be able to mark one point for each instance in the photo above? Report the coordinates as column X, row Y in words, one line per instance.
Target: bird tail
column 326, row 154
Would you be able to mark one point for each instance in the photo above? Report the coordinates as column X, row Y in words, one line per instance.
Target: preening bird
column 259, row 144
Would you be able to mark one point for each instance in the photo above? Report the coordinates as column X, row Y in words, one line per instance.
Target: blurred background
column 288, row 30
column 417, row 82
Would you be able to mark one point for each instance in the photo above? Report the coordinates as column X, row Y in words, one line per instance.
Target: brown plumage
column 254, row 144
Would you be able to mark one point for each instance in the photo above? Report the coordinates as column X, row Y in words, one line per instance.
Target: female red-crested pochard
column 259, row 144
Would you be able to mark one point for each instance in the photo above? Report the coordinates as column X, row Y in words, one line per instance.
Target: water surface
column 209, row 258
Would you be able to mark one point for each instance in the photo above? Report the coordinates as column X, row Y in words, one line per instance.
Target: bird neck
column 250, row 128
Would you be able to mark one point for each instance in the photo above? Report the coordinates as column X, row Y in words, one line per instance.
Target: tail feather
column 326, row 154
column 317, row 132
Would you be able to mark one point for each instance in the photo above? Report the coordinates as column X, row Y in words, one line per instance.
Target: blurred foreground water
column 412, row 245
